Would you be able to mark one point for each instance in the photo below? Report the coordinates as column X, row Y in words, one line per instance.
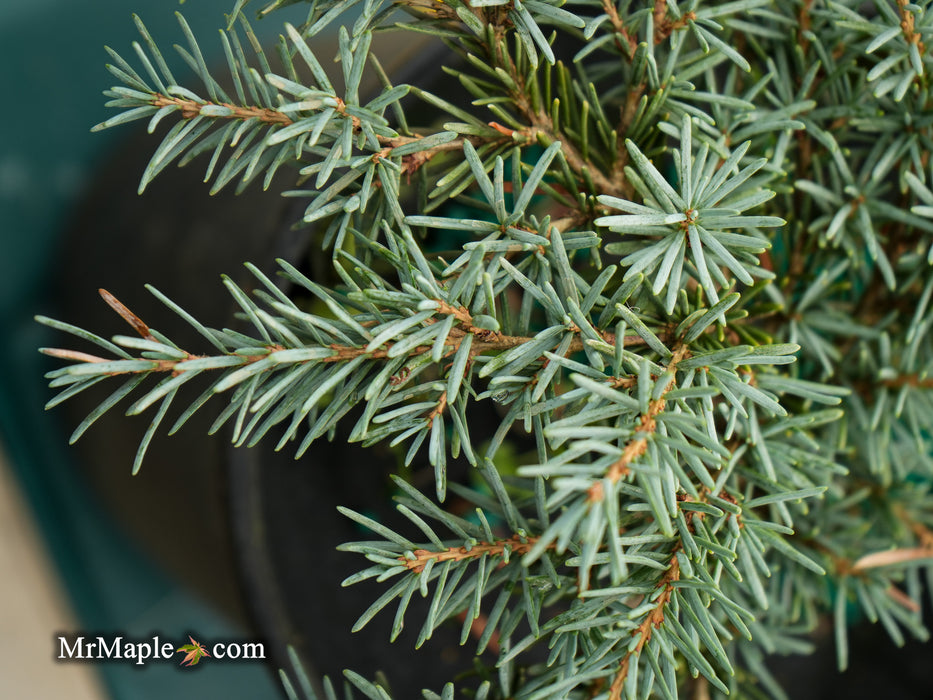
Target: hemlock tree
column 694, row 263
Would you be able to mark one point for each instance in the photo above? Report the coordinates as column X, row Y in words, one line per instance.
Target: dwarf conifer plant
column 691, row 260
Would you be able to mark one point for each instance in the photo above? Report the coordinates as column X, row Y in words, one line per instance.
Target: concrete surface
column 32, row 606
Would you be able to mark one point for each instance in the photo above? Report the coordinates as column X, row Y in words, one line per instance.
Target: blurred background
column 217, row 543
column 72, row 559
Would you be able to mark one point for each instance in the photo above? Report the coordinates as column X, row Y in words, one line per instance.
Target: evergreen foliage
column 694, row 265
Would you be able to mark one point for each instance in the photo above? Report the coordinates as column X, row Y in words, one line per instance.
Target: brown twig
column 907, row 26
column 629, row 43
column 437, row 410
column 655, row 616
column 539, row 120
column 637, row 446
column 663, row 25
column 804, row 22
column 911, row 380
column 646, row 629
column 497, row 548
column 190, row 109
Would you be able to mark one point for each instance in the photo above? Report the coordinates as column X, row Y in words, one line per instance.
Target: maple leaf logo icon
column 194, row 652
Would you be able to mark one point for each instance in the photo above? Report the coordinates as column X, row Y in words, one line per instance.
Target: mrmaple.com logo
column 140, row 652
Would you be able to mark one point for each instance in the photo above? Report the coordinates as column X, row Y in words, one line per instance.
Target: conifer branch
column 664, row 26
column 626, row 43
column 482, row 341
column 540, row 122
column 499, row 548
column 907, row 25
column 915, row 381
column 655, row 617
column 646, row 425
column 898, row 555
column 190, row 109
column 804, row 23
column 653, row 620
